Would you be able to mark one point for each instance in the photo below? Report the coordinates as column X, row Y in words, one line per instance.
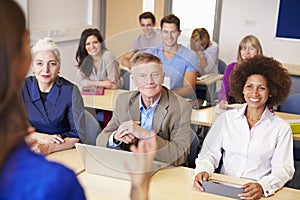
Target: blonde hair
column 46, row 44
column 249, row 40
column 199, row 34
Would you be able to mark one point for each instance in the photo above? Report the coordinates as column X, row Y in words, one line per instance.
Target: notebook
column 110, row 162
column 92, row 90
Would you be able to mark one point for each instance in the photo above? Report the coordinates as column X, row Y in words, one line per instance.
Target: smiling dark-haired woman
column 252, row 141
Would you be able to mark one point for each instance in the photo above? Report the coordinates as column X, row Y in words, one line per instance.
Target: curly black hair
column 277, row 78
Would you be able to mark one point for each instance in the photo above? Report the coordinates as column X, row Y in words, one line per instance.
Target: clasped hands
column 129, row 131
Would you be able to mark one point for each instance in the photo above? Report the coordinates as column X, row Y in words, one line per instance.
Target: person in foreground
column 248, row 48
column 23, row 174
column 254, row 143
column 152, row 110
column 54, row 105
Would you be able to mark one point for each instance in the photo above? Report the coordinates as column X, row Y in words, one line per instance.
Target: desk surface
column 207, row 116
column 104, row 102
column 170, row 183
column 293, row 70
column 209, row 79
column 70, row 158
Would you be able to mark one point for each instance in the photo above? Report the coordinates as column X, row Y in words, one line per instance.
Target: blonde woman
column 248, row 48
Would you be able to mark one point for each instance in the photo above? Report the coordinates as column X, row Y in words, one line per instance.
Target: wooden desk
column 206, row 117
column 104, row 102
column 70, row 158
column 209, row 79
column 293, row 70
column 170, row 183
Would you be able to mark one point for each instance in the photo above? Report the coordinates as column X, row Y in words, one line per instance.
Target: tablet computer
column 223, row 189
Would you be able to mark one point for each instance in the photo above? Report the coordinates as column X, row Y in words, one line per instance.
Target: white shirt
column 263, row 153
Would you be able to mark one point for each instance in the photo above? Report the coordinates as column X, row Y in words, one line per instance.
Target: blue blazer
column 63, row 111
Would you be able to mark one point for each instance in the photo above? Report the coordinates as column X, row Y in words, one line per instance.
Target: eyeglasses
column 144, row 77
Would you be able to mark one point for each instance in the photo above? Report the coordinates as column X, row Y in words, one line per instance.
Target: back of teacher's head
column 14, row 63
column 12, row 28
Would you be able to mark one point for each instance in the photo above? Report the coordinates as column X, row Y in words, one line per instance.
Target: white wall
column 239, row 18
column 67, row 42
column 258, row 17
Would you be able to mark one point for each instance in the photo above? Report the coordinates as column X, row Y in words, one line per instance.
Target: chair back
column 92, row 129
column 291, row 104
column 221, row 66
column 125, row 74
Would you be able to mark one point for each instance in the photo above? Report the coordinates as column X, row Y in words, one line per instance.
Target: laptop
column 111, row 162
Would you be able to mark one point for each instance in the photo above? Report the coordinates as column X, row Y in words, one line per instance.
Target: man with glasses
column 152, row 111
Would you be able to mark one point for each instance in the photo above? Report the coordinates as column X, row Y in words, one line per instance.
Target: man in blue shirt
column 153, row 110
column 180, row 63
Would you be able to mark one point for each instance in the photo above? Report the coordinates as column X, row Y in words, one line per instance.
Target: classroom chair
column 92, row 129
column 291, row 104
column 194, row 149
column 125, row 74
column 221, row 66
column 221, row 69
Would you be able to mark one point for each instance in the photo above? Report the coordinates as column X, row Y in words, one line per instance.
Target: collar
column 53, row 93
column 153, row 106
column 267, row 114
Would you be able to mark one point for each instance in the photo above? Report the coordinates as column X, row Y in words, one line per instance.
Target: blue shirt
column 26, row 175
column 147, row 114
column 185, row 60
column 63, row 111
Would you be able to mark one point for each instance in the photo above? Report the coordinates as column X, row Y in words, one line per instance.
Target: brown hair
column 147, row 15
column 277, row 78
column 199, row 34
column 170, row 19
column 12, row 114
